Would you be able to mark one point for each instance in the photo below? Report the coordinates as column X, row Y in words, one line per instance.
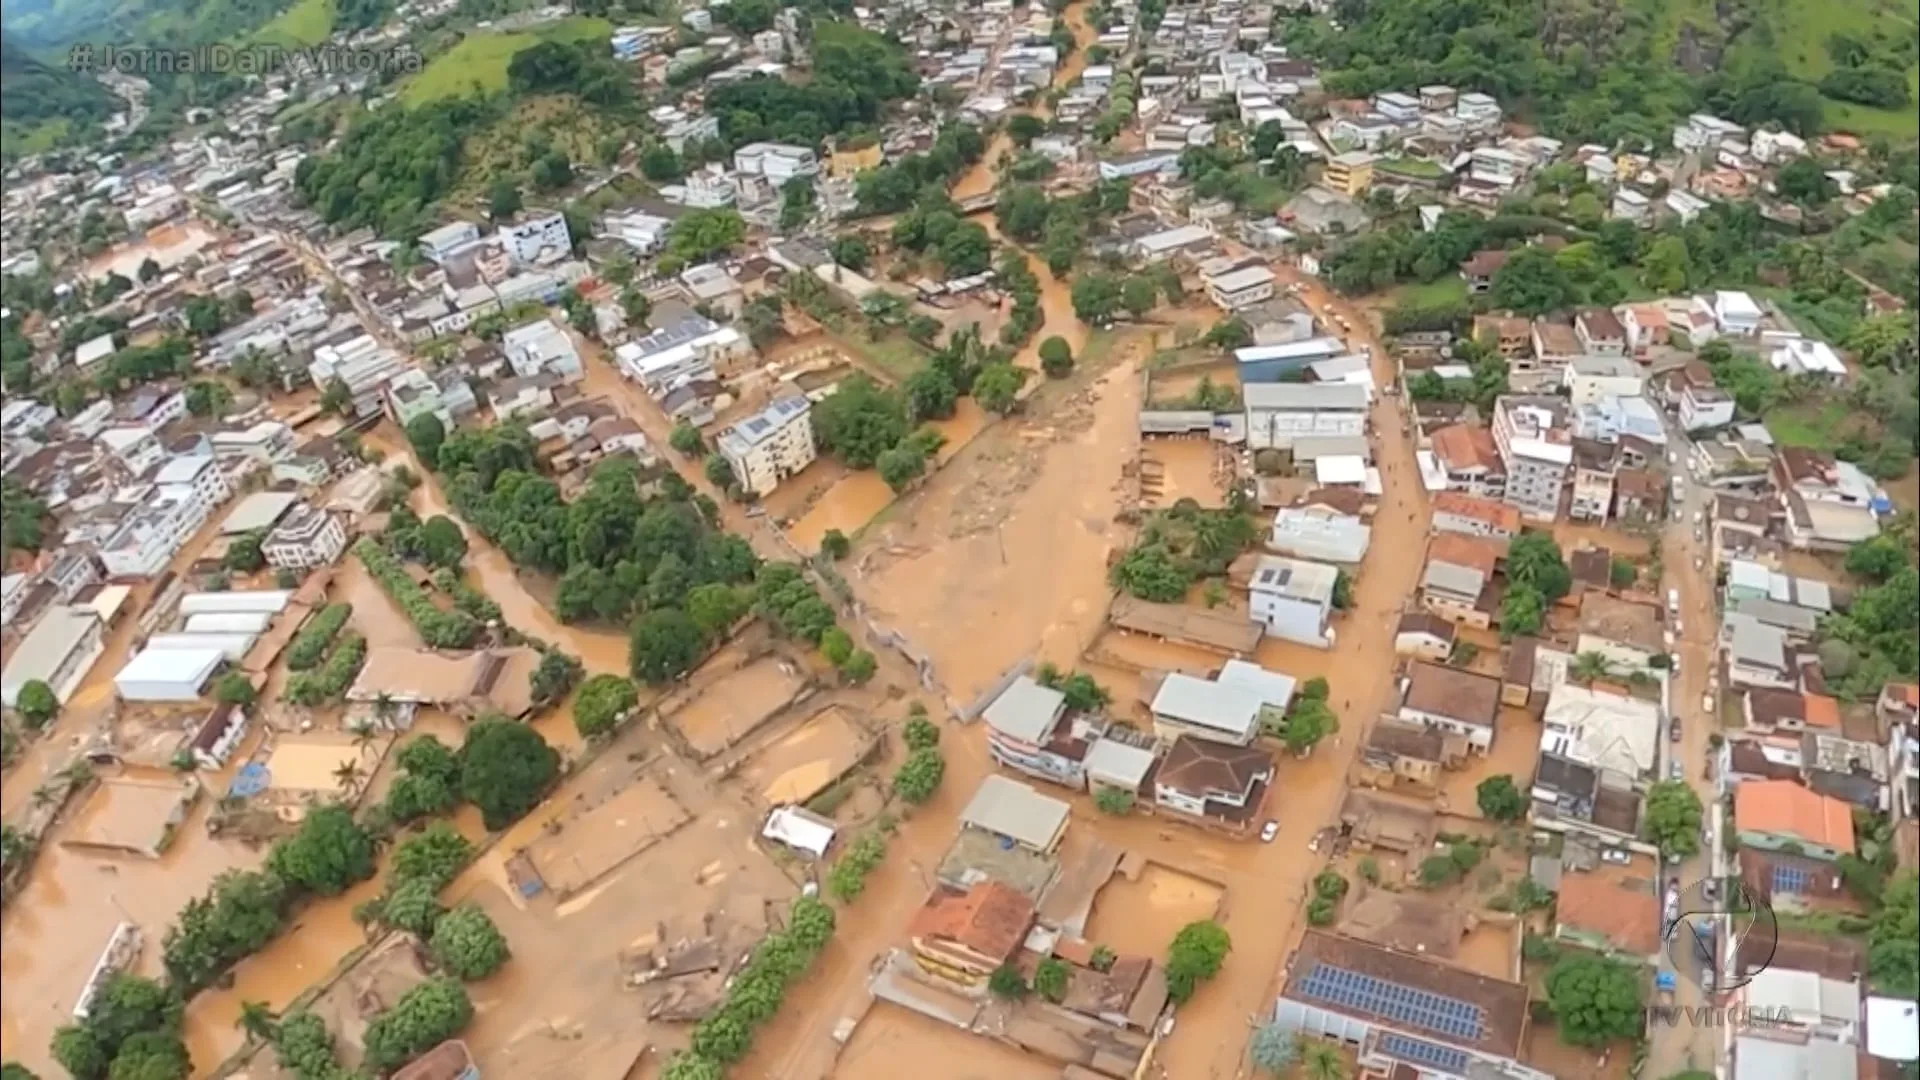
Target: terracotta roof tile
column 1608, row 904
column 1821, row 711
column 991, row 918
column 1784, row 807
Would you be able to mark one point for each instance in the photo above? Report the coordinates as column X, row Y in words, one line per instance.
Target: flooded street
column 166, row 245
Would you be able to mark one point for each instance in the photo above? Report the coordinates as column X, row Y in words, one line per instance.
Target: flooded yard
column 855, row 498
column 167, row 245
column 894, row 1042
column 804, row 761
column 1493, row 949
column 1139, row 918
column 1194, row 468
column 733, row 700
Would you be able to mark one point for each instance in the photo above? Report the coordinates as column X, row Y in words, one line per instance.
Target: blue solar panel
column 1416, row 1052
column 1791, row 879
column 1437, row 1013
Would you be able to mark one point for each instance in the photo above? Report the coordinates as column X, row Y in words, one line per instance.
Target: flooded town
column 995, row 540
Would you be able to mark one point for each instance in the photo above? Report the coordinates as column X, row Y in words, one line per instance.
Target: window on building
column 1791, row 879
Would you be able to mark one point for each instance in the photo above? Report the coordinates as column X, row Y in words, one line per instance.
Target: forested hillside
column 1603, row 70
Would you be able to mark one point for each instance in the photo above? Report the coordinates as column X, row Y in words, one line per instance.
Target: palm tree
column 260, row 1023
column 363, row 732
column 348, row 774
column 1590, row 666
column 1323, row 1062
column 384, row 706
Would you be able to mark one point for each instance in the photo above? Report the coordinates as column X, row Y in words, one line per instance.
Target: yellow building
column 844, row 164
column 1350, row 174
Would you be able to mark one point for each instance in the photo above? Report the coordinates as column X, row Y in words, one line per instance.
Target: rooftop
column 1784, row 808
column 1454, row 693
column 1026, row 710
column 1405, row 993
column 1208, row 769
column 1626, row 622
column 989, row 918
column 1012, row 809
column 763, row 425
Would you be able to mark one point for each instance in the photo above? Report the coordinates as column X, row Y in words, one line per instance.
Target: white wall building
column 534, row 232
column 1293, row 599
column 305, row 537
column 540, row 346
column 770, row 445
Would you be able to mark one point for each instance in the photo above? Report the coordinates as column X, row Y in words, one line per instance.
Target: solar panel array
column 1416, row 1052
column 1423, row 1009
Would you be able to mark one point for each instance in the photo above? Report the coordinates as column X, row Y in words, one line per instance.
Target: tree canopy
column 505, row 769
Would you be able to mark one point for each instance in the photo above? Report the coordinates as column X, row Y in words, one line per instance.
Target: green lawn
column 896, row 354
column 308, row 22
column 480, row 61
column 1448, row 289
column 37, row 139
column 1815, row 425
column 1418, row 168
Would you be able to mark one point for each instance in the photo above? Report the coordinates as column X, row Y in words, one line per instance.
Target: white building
column 1241, row 288
column 770, row 445
column 1736, row 314
column 532, row 233
column 1610, row 732
column 778, row 162
column 187, row 492
column 168, row 674
column 58, row 651
column 267, row 442
column 305, row 537
column 1631, row 205
column 1293, row 599
column 540, row 346
column 1801, row 356
column 681, row 353
column 643, row 232
column 449, row 240
column 136, row 447
column 92, row 352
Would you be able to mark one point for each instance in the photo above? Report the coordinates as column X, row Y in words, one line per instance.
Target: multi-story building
column 1600, row 332
column 534, row 232
column 267, row 442
column 186, row 493
column 1594, row 466
column 1531, row 432
column 1241, row 288
column 770, row 445
column 1293, row 599
column 305, row 537
column 1455, row 511
column 679, row 353
column 449, row 240
column 778, row 162
column 1023, row 734
column 1452, row 700
column 1350, row 174
column 363, row 364
column 413, row 394
column 136, row 448
column 540, row 346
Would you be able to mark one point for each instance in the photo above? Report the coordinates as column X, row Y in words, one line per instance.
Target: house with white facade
column 305, row 537
column 770, row 445
column 539, row 347
column 1452, row 700
column 1293, row 599
column 534, row 235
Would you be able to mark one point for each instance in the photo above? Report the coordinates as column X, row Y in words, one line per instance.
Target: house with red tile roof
column 1780, row 815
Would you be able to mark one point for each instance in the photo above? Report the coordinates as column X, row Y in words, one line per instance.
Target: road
column 1688, row 568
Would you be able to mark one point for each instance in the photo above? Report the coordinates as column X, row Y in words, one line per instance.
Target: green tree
column 1112, row 800
column 1666, row 266
column 997, row 387
column 920, row 733
column 930, row 394
column 1007, row 982
column 423, row 1018
column 1056, row 357
column 427, row 433
column 1151, row 572
column 1322, row 1062
column 410, row 904
column 467, row 943
column 1876, row 559
column 601, row 701
column 1893, row 939
column 1594, row 1000
column 1308, row 721
column 719, row 472
column 258, row 1020
column 1499, row 799
column 1137, row 295
column 337, row 397
column 859, row 421
column 1534, row 560
column 435, row 855
column 1531, row 283
column 36, row 704
column 685, row 438
column 1522, row 611
column 234, row 688
column 503, row 197
column 329, row 853
column 835, row 545
column 1195, row 956
column 714, row 607
column 440, row 541
column 663, row 645
column 151, row 1055
column 920, row 775
column 859, row 667
column 505, row 769
column 1050, row 979
column 1672, row 818
column 1274, row 1049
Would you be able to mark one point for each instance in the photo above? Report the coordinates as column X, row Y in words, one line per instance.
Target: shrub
column 311, row 688
column 920, row 733
column 309, row 646
column 423, row 1018
column 848, row 878
column 919, row 777
column 601, row 702
column 438, row 629
column 466, row 943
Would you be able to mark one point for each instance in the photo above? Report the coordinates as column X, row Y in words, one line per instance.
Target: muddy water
column 1139, row 918
column 55, row 929
column 167, row 245
column 892, row 1042
column 854, row 500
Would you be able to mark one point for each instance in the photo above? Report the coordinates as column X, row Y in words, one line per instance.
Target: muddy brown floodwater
column 857, row 498
column 167, row 245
